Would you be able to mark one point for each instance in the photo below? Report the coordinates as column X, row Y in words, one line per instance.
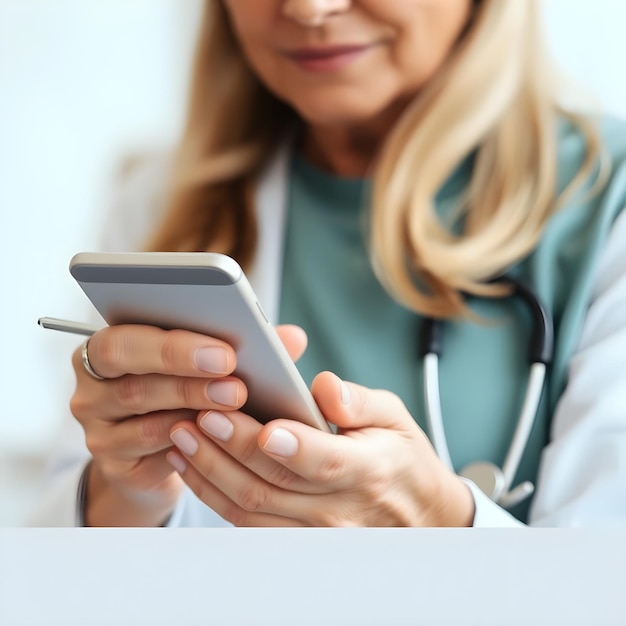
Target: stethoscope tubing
column 532, row 398
column 496, row 482
column 434, row 418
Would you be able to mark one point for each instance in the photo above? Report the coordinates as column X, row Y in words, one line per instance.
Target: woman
column 334, row 147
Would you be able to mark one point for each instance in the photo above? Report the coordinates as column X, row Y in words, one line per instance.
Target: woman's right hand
column 153, row 379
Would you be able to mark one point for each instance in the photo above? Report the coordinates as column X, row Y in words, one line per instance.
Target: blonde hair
column 493, row 98
column 232, row 126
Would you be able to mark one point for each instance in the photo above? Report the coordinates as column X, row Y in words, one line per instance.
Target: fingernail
column 281, row 442
column 176, row 461
column 184, row 441
column 223, row 392
column 217, row 425
column 345, row 393
column 213, row 360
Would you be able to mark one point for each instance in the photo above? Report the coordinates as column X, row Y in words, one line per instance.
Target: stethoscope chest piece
column 491, row 480
column 487, row 477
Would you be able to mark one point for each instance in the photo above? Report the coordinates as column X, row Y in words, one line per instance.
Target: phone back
column 207, row 293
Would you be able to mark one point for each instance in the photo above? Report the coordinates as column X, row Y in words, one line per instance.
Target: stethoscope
column 493, row 481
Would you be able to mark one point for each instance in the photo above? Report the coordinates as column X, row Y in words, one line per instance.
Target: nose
column 313, row 13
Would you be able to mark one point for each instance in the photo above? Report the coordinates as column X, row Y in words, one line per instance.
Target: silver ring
column 87, row 364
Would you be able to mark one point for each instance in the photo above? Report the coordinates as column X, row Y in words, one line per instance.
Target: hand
column 154, row 379
column 379, row 470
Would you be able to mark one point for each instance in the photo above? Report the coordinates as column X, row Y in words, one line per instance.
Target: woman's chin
column 336, row 114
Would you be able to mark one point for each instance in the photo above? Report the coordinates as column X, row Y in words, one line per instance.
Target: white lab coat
column 582, row 478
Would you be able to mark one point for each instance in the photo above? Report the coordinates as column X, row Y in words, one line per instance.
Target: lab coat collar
column 270, row 202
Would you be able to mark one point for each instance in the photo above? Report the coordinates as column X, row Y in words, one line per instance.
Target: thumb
column 348, row 405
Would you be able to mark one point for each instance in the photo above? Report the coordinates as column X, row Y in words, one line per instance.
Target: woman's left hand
column 378, row 470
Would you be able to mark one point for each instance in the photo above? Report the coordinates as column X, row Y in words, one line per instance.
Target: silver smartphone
column 207, row 293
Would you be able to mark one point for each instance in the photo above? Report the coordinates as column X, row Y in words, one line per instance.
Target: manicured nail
column 224, row 392
column 217, row 425
column 281, row 442
column 184, row 441
column 176, row 461
column 345, row 393
column 213, row 360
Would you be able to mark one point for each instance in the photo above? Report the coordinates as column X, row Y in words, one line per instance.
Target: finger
column 135, row 437
column 351, row 406
column 240, row 485
column 294, row 339
column 138, row 349
column 237, row 434
column 222, row 504
column 330, row 462
column 340, row 461
column 139, row 395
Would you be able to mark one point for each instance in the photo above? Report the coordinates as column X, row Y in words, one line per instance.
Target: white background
column 312, row 576
column 83, row 84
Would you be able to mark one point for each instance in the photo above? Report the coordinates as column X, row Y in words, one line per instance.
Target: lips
column 328, row 58
column 306, row 54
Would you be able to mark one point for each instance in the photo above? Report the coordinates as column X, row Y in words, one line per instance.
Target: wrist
column 108, row 504
column 456, row 504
